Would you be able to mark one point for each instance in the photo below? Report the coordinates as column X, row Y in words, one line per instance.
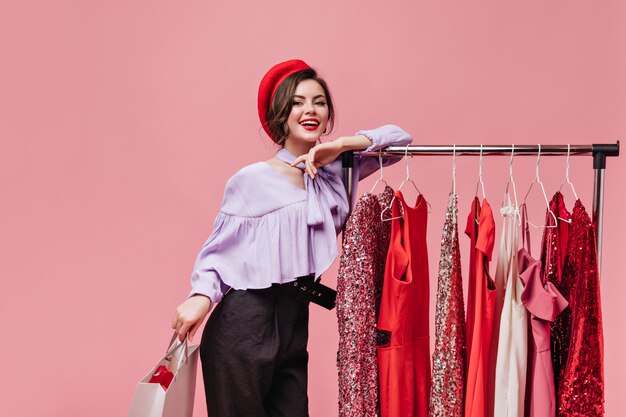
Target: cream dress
column 512, row 356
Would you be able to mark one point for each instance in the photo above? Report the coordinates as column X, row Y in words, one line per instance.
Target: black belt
column 307, row 289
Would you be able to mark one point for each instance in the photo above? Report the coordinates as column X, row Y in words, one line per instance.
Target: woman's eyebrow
column 316, row 97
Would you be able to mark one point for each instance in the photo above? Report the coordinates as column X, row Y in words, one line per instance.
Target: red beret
column 269, row 85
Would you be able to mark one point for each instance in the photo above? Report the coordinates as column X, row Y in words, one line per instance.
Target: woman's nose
column 309, row 108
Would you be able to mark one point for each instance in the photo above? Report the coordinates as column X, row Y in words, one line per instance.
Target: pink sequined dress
column 449, row 360
column 580, row 390
column 359, row 288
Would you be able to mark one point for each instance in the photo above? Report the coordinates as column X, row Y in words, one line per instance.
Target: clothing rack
column 599, row 152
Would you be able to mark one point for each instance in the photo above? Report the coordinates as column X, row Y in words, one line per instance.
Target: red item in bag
column 162, row 376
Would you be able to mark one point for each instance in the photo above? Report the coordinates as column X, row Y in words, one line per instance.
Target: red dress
column 553, row 251
column 580, row 391
column 480, row 311
column 404, row 363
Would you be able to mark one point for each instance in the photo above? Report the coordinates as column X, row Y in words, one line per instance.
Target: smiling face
column 302, row 95
column 309, row 113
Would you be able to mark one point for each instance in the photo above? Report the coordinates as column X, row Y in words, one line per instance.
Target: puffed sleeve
column 211, row 261
column 205, row 278
column 387, row 135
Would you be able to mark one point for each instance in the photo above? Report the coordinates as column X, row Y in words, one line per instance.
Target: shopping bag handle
column 173, row 347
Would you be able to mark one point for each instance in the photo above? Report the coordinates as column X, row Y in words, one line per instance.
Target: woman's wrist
column 203, row 297
column 357, row 142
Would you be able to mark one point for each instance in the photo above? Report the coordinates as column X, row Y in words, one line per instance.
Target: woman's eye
column 321, row 103
column 296, row 103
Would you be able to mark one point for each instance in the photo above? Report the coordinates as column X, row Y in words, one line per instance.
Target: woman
column 276, row 231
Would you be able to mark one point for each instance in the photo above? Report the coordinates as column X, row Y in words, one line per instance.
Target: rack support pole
column 347, row 162
column 599, row 165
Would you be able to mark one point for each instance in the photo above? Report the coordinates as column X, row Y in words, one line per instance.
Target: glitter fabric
column 553, row 250
column 448, row 381
column 404, row 364
column 581, row 384
column 359, row 287
column 480, row 309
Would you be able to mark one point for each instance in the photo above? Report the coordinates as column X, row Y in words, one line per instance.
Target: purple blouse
column 270, row 231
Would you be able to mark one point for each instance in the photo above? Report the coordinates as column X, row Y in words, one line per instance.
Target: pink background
column 121, row 121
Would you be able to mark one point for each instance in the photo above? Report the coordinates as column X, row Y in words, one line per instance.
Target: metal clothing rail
column 599, row 152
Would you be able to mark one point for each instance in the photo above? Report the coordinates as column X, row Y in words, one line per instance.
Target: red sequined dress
column 553, row 251
column 580, row 390
column 359, row 287
column 448, row 380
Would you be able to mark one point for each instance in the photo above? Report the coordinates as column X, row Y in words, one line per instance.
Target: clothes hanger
column 567, row 180
column 454, row 178
column 480, row 177
column 408, row 178
column 537, row 180
column 406, row 152
column 511, row 182
column 454, row 168
column 380, row 178
column 480, row 174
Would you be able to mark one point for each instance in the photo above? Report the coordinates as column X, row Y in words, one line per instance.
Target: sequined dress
column 581, row 384
column 359, row 287
column 553, row 251
column 449, row 360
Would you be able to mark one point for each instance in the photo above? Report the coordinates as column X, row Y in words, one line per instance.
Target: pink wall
column 120, row 122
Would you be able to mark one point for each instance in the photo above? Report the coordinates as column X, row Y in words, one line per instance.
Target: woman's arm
column 387, row 135
column 357, row 142
column 369, row 140
column 382, row 137
column 189, row 315
column 207, row 288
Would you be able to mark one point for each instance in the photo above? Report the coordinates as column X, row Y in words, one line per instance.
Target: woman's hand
column 318, row 156
column 189, row 316
column 327, row 152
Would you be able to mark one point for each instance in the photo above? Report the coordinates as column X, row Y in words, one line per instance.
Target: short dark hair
column 281, row 104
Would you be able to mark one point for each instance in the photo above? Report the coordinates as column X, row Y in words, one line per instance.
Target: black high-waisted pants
column 254, row 355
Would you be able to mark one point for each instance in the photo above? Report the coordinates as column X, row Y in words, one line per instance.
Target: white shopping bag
column 152, row 400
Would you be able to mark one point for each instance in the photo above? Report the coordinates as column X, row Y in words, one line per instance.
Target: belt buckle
column 302, row 291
